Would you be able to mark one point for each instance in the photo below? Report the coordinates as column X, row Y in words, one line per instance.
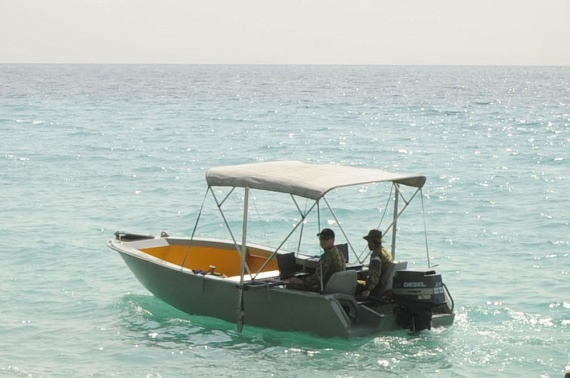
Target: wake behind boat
column 240, row 281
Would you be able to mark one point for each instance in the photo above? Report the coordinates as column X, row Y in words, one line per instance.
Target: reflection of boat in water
column 239, row 281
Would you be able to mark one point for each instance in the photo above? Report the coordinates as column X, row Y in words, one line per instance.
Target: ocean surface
column 87, row 150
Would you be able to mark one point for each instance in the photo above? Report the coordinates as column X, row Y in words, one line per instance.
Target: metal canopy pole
column 240, row 307
column 394, row 223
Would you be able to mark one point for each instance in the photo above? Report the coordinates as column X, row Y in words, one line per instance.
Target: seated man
column 331, row 261
column 379, row 259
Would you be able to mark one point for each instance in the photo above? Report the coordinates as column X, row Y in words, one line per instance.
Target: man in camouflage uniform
column 379, row 261
column 331, row 261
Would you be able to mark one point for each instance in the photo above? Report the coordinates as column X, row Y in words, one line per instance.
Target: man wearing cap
column 379, row 260
column 331, row 261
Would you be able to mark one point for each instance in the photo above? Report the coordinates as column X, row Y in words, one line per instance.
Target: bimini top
column 305, row 180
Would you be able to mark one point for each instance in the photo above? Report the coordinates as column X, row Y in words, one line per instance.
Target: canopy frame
column 310, row 181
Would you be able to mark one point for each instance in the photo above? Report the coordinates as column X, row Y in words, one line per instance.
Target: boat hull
column 266, row 303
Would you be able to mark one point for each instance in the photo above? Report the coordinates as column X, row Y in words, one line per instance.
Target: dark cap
column 374, row 236
column 326, row 233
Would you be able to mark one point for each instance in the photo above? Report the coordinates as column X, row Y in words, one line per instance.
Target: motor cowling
column 417, row 292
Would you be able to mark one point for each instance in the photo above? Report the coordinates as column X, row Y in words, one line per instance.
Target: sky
column 340, row 32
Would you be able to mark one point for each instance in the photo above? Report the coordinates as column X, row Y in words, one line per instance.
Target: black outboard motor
column 417, row 292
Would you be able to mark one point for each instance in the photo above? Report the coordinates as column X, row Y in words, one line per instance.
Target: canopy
column 302, row 179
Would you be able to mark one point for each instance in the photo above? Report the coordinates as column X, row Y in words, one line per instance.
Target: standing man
column 331, row 261
column 379, row 260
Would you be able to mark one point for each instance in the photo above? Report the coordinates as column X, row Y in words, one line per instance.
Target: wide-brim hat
column 374, row 236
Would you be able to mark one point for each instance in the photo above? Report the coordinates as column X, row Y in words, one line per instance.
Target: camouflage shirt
column 330, row 262
column 379, row 260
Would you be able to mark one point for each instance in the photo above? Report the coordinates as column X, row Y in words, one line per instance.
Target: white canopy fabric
column 302, row 179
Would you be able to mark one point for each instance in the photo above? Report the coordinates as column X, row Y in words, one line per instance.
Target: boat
column 243, row 281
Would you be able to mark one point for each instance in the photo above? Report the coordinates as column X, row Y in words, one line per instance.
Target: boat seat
column 387, row 279
column 343, row 282
column 343, row 248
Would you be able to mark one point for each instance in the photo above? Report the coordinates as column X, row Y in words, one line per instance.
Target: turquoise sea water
column 88, row 150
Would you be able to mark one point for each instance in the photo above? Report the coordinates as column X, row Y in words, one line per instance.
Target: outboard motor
column 417, row 292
